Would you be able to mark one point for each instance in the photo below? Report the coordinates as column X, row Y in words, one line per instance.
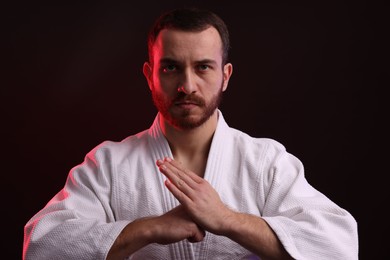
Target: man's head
column 187, row 71
column 191, row 20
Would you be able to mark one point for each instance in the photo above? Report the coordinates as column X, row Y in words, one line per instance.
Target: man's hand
column 174, row 226
column 204, row 206
column 197, row 196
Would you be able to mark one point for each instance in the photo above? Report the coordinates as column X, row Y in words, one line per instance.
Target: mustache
column 192, row 98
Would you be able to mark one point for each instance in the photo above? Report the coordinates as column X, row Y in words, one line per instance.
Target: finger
column 176, row 173
column 198, row 236
column 178, row 193
column 187, row 172
column 181, row 190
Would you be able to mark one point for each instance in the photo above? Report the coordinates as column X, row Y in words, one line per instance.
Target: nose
column 187, row 85
column 186, row 89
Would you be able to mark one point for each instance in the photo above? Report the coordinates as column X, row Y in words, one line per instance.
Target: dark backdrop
column 304, row 74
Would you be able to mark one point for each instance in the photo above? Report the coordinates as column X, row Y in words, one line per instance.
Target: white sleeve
column 78, row 222
column 308, row 224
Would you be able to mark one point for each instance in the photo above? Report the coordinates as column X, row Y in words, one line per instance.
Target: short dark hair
column 190, row 19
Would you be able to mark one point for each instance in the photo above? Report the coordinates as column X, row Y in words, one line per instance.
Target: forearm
column 253, row 233
column 173, row 226
column 133, row 237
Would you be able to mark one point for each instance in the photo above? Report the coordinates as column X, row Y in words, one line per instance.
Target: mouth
column 186, row 104
column 188, row 101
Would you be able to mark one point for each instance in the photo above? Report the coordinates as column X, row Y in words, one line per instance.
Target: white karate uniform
column 119, row 182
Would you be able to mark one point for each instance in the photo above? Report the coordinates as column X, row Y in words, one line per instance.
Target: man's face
column 187, row 79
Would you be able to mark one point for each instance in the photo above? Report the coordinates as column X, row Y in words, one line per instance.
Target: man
column 190, row 187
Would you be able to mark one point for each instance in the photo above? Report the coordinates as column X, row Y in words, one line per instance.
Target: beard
column 183, row 119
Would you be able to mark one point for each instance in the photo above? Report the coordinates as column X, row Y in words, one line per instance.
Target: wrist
column 147, row 230
column 231, row 221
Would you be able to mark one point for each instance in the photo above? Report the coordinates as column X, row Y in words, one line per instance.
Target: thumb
column 198, row 236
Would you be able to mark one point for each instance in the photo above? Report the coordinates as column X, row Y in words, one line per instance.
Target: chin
column 190, row 122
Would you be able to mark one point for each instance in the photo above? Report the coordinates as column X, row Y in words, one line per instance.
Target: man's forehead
column 175, row 37
column 177, row 44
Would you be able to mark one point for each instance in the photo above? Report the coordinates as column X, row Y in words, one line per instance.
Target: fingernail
column 159, row 162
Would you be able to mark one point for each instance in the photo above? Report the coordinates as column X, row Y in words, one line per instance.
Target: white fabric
column 119, row 182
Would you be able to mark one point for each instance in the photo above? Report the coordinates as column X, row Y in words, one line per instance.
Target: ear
column 227, row 72
column 148, row 73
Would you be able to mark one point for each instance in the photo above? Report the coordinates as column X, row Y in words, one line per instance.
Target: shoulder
column 261, row 146
column 110, row 150
column 245, row 144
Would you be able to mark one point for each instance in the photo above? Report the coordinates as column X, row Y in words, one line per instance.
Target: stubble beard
column 184, row 120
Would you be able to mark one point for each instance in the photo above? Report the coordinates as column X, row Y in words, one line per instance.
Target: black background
column 305, row 74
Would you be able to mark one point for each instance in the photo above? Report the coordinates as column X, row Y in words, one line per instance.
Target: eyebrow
column 168, row 60
column 207, row 61
column 173, row 61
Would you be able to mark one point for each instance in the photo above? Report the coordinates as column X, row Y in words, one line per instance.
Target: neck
column 191, row 146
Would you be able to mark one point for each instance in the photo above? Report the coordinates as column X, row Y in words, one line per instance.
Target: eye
column 203, row 67
column 169, row 68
